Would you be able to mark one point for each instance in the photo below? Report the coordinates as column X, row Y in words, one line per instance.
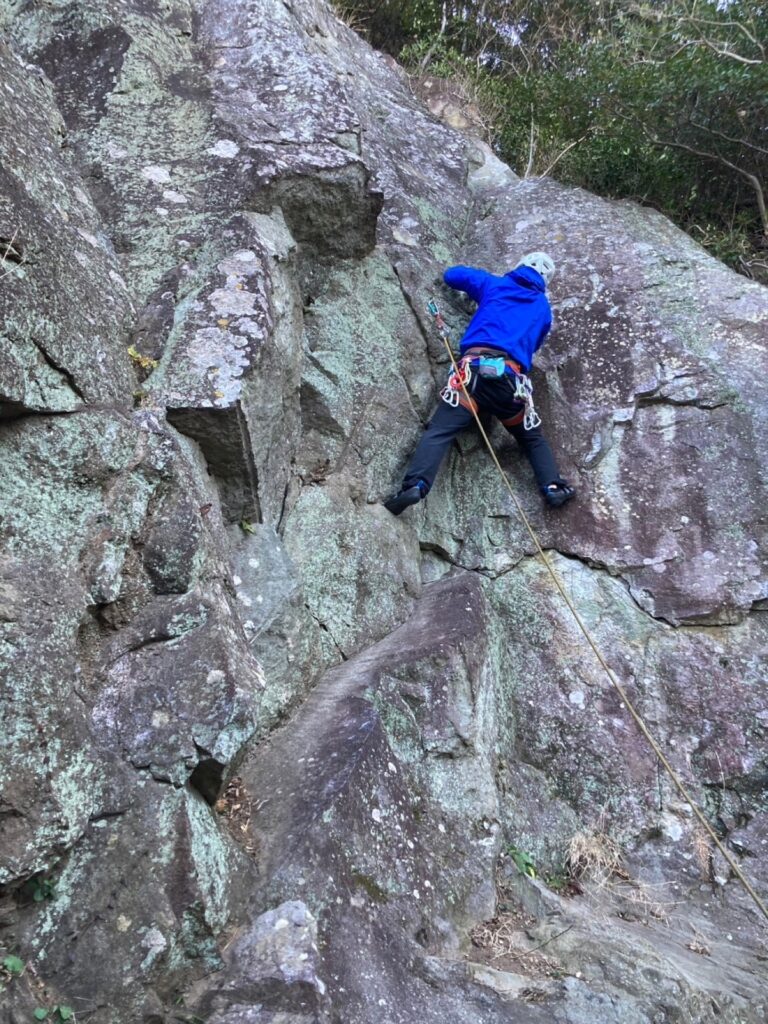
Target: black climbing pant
column 494, row 396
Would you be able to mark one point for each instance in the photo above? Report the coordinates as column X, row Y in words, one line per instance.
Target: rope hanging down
column 443, row 331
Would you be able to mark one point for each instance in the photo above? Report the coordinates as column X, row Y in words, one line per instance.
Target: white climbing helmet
column 541, row 263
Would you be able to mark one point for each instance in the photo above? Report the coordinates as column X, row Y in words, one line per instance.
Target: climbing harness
column 639, row 721
column 461, row 375
column 460, row 378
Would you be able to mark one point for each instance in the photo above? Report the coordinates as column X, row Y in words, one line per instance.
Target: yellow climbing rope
column 432, row 308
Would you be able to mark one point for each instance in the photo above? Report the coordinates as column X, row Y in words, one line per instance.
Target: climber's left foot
column 408, row 496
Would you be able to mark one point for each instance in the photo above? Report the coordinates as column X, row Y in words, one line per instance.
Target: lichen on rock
column 271, row 754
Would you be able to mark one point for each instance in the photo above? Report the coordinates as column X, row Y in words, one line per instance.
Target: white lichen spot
column 254, row 563
column 376, row 814
column 155, row 942
column 416, row 894
column 174, row 197
column 244, row 599
column 671, row 827
column 214, row 346
column 232, row 301
column 161, row 211
column 404, row 237
column 215, row 676
column 153, row 172
column 281, row 923
column 225, row 148
column 576, row 697
column 159, row 719
column 237, row 580
column 123, row 923
column 91, row 239
column 251, row 327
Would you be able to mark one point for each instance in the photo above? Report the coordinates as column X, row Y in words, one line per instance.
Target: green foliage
column 664, row 103
column 523, row 861
column 40, row 1013
column 45, row 889
column 558, row 881
column 391, row 25
column 145, row 362
column 60, row 1012
column 13, row 965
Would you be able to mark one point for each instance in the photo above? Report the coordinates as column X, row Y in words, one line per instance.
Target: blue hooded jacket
column 513, row 312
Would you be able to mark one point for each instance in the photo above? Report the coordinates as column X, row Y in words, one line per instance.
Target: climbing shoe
column 558, row 492
column 408, row 496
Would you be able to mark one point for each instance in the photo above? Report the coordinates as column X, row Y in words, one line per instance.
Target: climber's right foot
column 408, row 496
column 558, row 492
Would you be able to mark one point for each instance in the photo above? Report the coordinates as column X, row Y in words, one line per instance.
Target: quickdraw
column 524, row 391
column 461, row 375
column 458, row 380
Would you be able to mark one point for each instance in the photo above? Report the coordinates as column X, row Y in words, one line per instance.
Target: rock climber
column 512, row 319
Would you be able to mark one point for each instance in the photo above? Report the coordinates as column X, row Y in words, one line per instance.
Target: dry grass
column 354, row 19
column 594, row 857
column 501, row 936
column 702, row 851
column 500, row 944
column 503, row 943
column 699, row 944
column 236, row 807
column 641, row 900
column 11, row 256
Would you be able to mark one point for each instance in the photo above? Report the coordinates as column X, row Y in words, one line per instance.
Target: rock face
column 270, row 754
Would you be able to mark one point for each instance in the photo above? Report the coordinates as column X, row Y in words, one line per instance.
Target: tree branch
column 728, row 138
column 752, row 179
column 558, row 158
column 531, row 149
column 428, row 55
column 724, row 52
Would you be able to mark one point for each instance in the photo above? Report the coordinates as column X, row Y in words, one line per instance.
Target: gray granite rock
column 238, row 691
